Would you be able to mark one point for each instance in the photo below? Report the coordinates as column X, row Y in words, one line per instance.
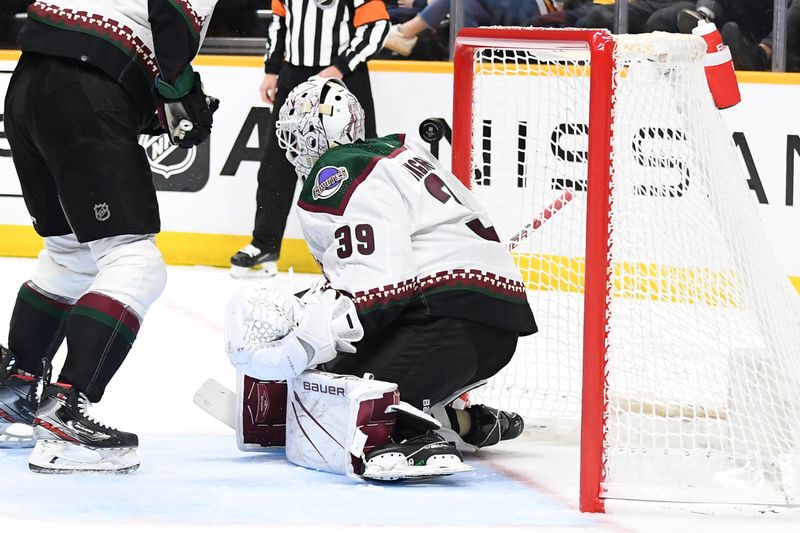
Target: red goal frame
column 600, row 45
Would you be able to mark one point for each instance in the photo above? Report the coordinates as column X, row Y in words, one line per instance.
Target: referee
column 328, row 38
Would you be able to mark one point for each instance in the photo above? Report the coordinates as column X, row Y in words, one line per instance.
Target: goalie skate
column 422, row 457
column 17, row 404
column 68, row 440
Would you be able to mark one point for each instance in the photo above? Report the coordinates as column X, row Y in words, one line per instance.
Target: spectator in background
column 327, row 38
column 433, row 44
column 403, row 37
column 644, row 16
column 566, row 15
column 404, row 10
column 746, row 27
column 753, row 16
column 751, row 53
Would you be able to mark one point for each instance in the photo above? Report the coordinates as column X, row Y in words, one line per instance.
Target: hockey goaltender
column 419, row 297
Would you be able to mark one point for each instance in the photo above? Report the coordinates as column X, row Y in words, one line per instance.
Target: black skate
column 252, row 261
column 69, row 440
column 17, row 403
column 490, row 426
column 421, row 457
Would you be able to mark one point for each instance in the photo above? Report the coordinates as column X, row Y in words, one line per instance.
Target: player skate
column 490, row 426
column 420, row 457
column 472, row 427
column 17, row 403
column 69, row 440
column 251, row 261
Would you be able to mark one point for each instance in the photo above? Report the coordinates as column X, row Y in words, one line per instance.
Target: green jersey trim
column 338, row 173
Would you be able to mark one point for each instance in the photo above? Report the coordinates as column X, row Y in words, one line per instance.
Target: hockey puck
column 432, row 130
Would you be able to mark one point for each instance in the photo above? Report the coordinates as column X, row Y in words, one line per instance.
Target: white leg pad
column 130, row 269
column 332, row 419
column 65, row 267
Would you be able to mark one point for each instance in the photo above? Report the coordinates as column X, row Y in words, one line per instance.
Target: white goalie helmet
column 318, row 114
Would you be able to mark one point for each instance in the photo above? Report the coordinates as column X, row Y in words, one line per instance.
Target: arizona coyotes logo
column 328, row 182
column 166, row 158
column 325, row 4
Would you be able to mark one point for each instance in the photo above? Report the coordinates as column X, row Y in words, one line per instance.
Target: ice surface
column 193, row 478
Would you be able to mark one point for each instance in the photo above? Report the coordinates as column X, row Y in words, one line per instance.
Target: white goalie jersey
column 400, row 235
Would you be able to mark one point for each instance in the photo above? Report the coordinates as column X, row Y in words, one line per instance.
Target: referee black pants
column 277, row 178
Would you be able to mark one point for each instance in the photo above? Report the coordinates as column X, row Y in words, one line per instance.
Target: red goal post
column 600, row 45
column 681, row 363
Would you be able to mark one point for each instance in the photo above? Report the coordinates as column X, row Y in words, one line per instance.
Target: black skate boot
column 253, row 261
column 420, row 457
column 490, row 426
column 17, row 403
column 69, row 440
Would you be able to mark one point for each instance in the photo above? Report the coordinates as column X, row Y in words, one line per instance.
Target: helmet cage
column 317, row 115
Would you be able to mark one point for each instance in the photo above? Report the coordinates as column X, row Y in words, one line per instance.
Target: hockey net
column 667, row 326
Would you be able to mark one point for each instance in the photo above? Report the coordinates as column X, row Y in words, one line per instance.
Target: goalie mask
column 318, row 114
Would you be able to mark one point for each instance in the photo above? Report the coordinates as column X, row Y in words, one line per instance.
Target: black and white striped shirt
column 320, row 33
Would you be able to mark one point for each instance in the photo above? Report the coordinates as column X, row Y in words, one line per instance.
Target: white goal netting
column 703, row 328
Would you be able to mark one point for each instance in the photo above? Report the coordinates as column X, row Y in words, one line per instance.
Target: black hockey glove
column 154, row 128
column 184, row 110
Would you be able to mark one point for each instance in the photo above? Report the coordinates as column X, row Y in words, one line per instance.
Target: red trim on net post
column 462, row 110
column 598, row 271
column 597, row 275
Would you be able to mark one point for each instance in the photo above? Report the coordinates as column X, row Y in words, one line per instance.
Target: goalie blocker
column 340, row 424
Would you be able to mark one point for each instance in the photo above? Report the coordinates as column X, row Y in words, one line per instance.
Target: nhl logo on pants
column 102, row 212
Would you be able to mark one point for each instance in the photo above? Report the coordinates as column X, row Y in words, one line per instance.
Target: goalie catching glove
column 184, row 110
column 271, row 334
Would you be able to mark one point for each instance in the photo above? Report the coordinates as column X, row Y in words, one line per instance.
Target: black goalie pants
column 431, row 359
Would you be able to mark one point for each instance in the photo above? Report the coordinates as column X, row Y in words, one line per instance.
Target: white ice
column 193, row 478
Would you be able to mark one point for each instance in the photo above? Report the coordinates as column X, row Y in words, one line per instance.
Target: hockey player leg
column 475, row 426
column 423, row 454
column 69, row 440
column 63, row 272
column 100, row 331
column 253, row 262
column 17, row 403
column 343, row 424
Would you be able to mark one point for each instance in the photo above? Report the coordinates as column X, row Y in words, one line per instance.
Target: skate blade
column 59, row 457
column 393, row 467
column 16, row 435
column 259, row 271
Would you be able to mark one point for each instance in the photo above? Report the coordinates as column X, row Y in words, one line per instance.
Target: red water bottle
column 710, row 34
column 718, row 63
column 721, row 78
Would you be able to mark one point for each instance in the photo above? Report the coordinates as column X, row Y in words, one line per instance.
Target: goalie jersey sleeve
column 406, row 240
